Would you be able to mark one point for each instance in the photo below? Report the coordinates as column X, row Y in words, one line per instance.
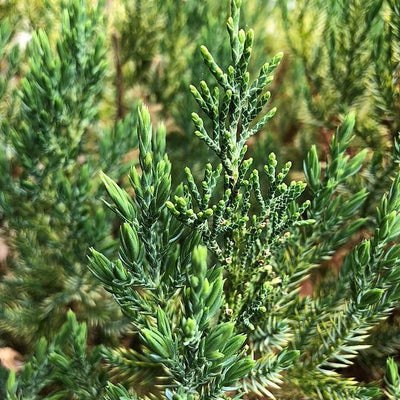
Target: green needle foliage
column 332, row 40
column 346, row 58
column 260, row 245
column 50, row 184
column 61, row 368
column 392, row 380
column 157, row 274
column 209, row 272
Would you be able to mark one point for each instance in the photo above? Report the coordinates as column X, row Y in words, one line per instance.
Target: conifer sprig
column 52, row 368
column 392, row 380
column 47, row 202
column 148, row 233
column 244, row 227
column 154, row 270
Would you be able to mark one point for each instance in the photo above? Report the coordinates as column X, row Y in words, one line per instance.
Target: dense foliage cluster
column 130, row 276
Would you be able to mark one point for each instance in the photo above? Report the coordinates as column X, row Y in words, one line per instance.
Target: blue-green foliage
column 209, row 272
column 50, row 182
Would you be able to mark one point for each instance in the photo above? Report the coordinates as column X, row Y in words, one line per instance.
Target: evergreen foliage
column 50, row 205
column 61, row 368
column 248, row 233
column 206, row 277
